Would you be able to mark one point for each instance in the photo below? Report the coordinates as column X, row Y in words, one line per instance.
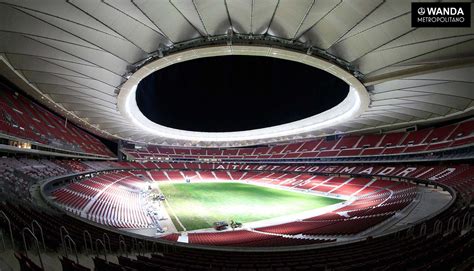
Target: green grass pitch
column 199, row 205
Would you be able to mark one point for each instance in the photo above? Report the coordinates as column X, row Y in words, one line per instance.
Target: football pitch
column 199, row 205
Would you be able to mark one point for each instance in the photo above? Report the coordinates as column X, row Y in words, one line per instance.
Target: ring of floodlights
column 352, row 106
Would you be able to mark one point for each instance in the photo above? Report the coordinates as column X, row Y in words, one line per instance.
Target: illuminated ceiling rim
column 352, row 106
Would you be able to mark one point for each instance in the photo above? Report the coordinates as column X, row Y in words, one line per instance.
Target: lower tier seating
column 110, row 199
column 114, row 199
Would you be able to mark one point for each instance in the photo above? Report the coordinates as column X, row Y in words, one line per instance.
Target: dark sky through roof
column 236, row 93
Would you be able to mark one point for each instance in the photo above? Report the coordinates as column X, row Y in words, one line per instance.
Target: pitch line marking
column 175, row 216
column 173, row 213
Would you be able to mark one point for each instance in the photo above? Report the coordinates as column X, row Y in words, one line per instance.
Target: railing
column 134, row 244
column 9, row 228
column 438, row 227
column 422, row 231
column 61, row 234
column 453, row 225
column 97, row 242
column 86, row 233
column 33, row 223
column 106, row 236
column 36, row 244
column 141, row 248
column 122, row 246
column 466, row 220
column 3, row 240
column 71, row 242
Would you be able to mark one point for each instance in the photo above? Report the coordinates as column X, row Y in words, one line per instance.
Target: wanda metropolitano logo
column 449, row 14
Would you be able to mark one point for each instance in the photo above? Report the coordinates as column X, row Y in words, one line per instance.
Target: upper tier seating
column 23, row 118
column 430, row 139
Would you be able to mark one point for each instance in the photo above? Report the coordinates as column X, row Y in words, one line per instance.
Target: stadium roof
column 75, row 56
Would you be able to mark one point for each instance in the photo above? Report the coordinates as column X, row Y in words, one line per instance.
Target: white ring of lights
column 352, row 106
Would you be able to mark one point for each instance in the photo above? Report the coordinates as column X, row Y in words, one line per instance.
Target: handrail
column 465, row 221
column 422, row 231
column 153, row 247
column 108, row 240
column 144, row 247
column 450, row 228
column 36, row 243
column 61, row 229
column 456, row 224
column 134, row 244
column 9, row 228
column 33, row 223
column 141, row 248
column 410, row 231
column 438, row 227
column 84, row 233
column 122, row 239
column 71, row 242
column 3, row 240
column 125, row 248
column 97, row 242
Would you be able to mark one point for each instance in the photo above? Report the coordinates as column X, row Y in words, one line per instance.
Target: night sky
column 236, row 93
